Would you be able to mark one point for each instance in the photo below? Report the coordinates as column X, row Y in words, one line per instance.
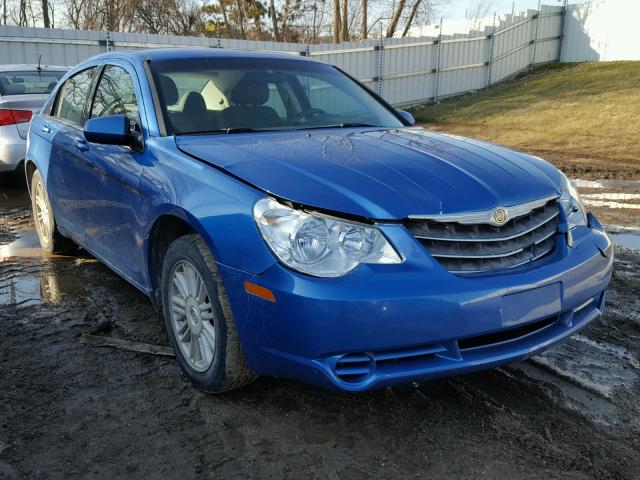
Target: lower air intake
column 354, row 367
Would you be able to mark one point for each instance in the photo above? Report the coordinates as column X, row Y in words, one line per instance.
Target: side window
column 115, row 94
column 72, row 97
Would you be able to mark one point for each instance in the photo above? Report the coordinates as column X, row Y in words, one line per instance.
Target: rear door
column 66, row 172
column 111, row 176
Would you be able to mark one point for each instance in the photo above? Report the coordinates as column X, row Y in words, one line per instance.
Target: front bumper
column 12, row 148
column 383, row 325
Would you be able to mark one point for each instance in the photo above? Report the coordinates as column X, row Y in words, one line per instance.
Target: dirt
column 72, row 408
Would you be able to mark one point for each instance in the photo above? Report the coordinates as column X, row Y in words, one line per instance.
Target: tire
column 51, row 240
column 193, row 330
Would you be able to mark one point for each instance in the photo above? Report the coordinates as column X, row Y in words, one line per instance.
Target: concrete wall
column 602, row 30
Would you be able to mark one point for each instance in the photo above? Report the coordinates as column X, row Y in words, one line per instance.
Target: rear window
column 28, row 82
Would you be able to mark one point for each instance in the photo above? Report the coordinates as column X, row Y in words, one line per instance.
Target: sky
column 458, row 10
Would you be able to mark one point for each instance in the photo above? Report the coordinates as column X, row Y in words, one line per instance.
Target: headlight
column 319, row 245
column 572, row 205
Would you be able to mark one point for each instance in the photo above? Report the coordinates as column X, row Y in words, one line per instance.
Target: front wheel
column 51, row 241
column 199, row 320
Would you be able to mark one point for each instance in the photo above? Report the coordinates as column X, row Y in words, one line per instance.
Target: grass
column 585, row 118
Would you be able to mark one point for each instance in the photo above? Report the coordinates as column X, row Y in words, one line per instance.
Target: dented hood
column 379, row 174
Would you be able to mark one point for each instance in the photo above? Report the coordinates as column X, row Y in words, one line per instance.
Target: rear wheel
column 50, row 238
column 198, row 318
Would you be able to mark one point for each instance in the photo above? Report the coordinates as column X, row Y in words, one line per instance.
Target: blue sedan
column 286, row 221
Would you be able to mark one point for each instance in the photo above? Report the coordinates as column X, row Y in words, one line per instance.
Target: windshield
column 223, row 95
column 28, row 82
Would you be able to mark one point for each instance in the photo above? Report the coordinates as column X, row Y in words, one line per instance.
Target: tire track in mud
column 123, row 411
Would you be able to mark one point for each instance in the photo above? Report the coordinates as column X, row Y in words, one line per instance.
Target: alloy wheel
column 41, row 214
column 192, row 316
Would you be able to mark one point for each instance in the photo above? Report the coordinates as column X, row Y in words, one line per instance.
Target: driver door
column 111, row 214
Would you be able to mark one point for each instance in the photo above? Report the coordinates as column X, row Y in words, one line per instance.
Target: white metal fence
column 404, row 71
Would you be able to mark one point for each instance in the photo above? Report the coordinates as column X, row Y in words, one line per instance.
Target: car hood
column 378, row 174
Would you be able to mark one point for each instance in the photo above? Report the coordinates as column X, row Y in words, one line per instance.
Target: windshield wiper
column 230, row 130
column 341, row 125
column 356, row 124
column 217, row 131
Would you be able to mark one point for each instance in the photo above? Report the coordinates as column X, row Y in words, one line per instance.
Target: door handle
column 80, row 145
column 45, row 129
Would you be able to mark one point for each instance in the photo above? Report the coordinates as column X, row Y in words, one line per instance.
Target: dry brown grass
column 585, row 118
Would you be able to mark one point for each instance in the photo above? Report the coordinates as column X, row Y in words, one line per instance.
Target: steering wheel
column 309, row 112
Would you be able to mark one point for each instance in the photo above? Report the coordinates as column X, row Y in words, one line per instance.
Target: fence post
column 562, row 25
column 535, row 36
column 436, row 83
column 379, row 79
column 491, row 45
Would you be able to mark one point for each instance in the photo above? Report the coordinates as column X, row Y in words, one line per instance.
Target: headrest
column 252, row 89
column 169, row 90
column 14, row 89
column 194, row 103
column 8, row 88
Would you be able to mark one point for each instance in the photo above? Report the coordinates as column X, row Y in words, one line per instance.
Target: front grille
column 481, row 247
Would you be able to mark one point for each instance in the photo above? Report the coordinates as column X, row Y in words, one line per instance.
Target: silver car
column 23, row 91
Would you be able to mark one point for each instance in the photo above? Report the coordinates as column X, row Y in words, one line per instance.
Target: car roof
column 168, row 54
column 22, row 67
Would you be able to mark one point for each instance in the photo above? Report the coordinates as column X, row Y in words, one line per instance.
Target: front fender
column 216, row 205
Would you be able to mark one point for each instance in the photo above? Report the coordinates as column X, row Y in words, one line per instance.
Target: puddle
column 28, row 276
column 615, row 202
column 611, row 196
column 610, row 204
column 33, row 281
column 27, row 245
column 628, row 240
column 606, row 184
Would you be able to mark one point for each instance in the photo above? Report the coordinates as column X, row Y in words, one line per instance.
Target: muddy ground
column 71, row 407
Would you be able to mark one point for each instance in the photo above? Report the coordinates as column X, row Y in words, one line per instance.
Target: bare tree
column 344, row 34
column 22, row 22
column 478, row 10
column 308, row 21
column 241, row 18
column 412, row 15
column 45, row 14
column 274, row 19
column 337, row 26
column 393, row 24
column 364, row 4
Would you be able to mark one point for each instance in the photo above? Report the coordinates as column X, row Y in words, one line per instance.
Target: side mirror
column 407, row 117
column 112, row 130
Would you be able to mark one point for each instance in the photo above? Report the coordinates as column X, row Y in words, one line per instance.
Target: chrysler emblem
column 500, row 215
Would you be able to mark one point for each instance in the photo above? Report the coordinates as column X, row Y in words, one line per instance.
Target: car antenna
column 39, row 61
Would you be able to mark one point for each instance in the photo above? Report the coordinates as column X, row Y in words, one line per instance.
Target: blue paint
column 108, row 197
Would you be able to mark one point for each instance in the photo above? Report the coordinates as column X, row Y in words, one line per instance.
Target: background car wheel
column 199, row 320
column 51, row 240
